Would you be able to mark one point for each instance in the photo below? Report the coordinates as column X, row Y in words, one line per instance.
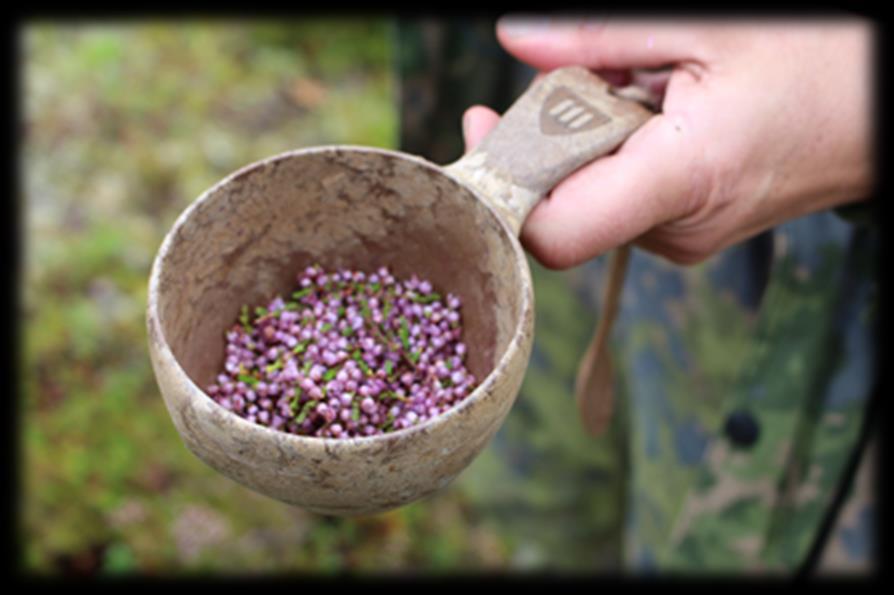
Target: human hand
column 761, row 122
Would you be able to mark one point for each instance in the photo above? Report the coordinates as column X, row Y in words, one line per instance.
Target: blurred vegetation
column 125, row 124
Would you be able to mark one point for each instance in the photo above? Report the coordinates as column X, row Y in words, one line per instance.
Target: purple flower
column 391, row 342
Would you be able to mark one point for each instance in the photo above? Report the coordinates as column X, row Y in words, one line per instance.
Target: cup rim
column 197, row 396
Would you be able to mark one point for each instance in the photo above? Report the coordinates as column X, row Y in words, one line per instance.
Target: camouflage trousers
column 747, row 382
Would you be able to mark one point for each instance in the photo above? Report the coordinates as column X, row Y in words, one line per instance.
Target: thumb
column 597, row 43
column 655, row 177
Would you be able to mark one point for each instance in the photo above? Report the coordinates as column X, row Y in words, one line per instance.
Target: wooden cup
column 246, row 239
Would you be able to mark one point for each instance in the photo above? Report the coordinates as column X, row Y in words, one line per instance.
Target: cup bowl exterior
column 344, row 476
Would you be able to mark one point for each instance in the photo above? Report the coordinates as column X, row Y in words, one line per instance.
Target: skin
column 761, row 122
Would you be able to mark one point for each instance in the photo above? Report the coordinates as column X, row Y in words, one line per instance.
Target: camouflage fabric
column 852, row 547
column 780, row 330
column 742, row 382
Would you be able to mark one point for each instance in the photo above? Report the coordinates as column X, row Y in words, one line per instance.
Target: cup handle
column 564, row 120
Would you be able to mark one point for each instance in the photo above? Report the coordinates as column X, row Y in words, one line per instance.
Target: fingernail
column 524, row 25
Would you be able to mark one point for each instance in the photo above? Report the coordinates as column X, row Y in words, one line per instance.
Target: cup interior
column 247, row 238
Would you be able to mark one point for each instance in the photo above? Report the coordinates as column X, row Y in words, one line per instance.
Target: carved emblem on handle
column 564, row 112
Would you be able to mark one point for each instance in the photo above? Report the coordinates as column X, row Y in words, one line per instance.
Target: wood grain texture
column 246, row 239
column 594, row 384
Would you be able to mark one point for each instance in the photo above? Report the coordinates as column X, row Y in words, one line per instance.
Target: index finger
column 599, row 42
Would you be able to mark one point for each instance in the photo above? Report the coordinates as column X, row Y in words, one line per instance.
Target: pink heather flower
column 368, row 405
column 345, row 333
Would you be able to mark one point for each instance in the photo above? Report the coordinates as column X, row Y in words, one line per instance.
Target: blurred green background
column 124, row 125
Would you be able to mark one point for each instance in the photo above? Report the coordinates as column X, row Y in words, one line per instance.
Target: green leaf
column 364, row 366
column 295, row 402
column 426, row 299
column 404, row 333
column 304, row 292
column 305, row 411
column 244, row 319
column 389, row 366
column 330, row 374
column 365, row 312
column 249, row 380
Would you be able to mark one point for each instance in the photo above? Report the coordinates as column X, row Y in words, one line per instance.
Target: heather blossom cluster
column 350, row 354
